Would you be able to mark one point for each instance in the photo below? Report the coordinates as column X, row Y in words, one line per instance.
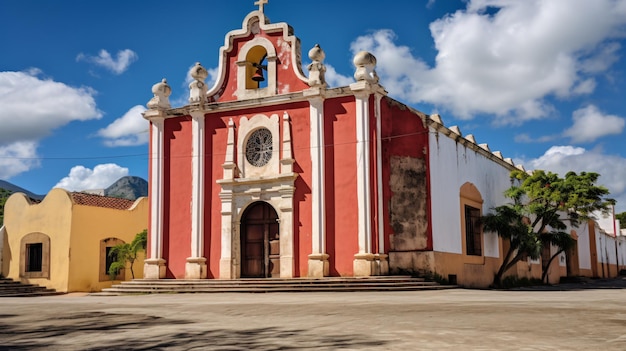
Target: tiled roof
column 101, row 201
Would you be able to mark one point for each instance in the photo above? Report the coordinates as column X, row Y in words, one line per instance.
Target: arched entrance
column 260, row 245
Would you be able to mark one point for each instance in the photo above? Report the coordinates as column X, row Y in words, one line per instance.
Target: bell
column 258, row 75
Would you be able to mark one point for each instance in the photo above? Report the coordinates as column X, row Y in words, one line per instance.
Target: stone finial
column 485, row 147
column 365, row 64
column 198, row 88
column 437, row 118
column 456, row 130
column 317, row 68
column 161, row 99
column 471, row 138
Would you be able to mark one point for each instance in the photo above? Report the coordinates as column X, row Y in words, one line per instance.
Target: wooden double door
column 260, row 245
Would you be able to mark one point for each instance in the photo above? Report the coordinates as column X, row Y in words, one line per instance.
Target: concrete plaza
column 578, row 318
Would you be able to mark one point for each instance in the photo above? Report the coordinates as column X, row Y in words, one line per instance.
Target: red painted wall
column 341, row 196
column 403, row 134
column 301, row 145
column 177, row 195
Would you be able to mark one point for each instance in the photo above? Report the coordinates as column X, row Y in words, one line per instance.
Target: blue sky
column 543, row 82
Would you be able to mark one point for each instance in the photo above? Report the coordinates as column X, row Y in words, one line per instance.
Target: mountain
column 12, row 188
column 128, row 188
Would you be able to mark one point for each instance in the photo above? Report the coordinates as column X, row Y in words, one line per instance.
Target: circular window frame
column 259, row 147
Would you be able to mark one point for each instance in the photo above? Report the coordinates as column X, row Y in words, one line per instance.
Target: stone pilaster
column 154, row 265
column 318, row 259
column 195, row 267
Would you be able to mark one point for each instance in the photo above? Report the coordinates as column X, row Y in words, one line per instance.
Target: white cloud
column 104, row 59
column 525, row 138
column 101, row 177
column 129, row 130
column 31, row 108
column 612, row 168
column 585, row 87
column 506, row 61
column 17, row 157
column 590, row 124
column 335, row 79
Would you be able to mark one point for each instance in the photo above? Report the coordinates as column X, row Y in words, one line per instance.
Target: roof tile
column 101, row 201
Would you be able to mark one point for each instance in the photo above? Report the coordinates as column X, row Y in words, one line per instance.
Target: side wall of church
column 405, row 150
column 452, row 165
column 406, row 180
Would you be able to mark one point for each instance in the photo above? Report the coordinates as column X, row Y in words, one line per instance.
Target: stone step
column 386, row 283
column 115, row 291
column 11, row 288
column 279, row 281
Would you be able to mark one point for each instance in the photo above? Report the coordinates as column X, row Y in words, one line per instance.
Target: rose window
column 259, row 147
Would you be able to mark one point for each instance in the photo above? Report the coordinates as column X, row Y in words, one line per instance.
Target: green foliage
column 127, row 254
column 4, row 195
column 515, row 282
column 622, row 219
column 436, row 277
column 542, row 204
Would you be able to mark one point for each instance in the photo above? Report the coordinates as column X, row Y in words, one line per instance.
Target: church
column 270, row 173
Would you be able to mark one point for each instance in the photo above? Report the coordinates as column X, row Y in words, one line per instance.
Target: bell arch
column 252, row 54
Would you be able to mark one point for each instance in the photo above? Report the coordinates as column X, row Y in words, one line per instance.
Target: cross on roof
column 261, row 3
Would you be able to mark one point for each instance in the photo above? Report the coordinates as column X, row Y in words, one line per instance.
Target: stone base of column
column 227, row 269
column 318, row 266
column 286, row 266
column 380, row 265
column 154, row 268
column 195, row 268
column 363, row 265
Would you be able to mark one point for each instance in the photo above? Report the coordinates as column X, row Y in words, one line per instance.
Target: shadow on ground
column 579, row 284
column 96, row 331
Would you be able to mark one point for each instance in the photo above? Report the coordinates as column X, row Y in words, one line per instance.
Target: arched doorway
column 260, row 245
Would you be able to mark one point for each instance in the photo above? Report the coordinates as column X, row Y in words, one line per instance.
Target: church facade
column 271, row 173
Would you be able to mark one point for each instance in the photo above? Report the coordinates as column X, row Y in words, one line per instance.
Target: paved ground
column 572, row 317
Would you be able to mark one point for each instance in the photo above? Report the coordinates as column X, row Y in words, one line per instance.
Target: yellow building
column 62, row 242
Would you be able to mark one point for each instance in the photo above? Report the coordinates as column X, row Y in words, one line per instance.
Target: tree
column 542, row 204
column 127, row 253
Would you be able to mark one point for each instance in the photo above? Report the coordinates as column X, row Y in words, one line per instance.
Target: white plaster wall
column 584, row 247
column 606, row 248
column 606, row 222
column 621, row 249
column 452, row 165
